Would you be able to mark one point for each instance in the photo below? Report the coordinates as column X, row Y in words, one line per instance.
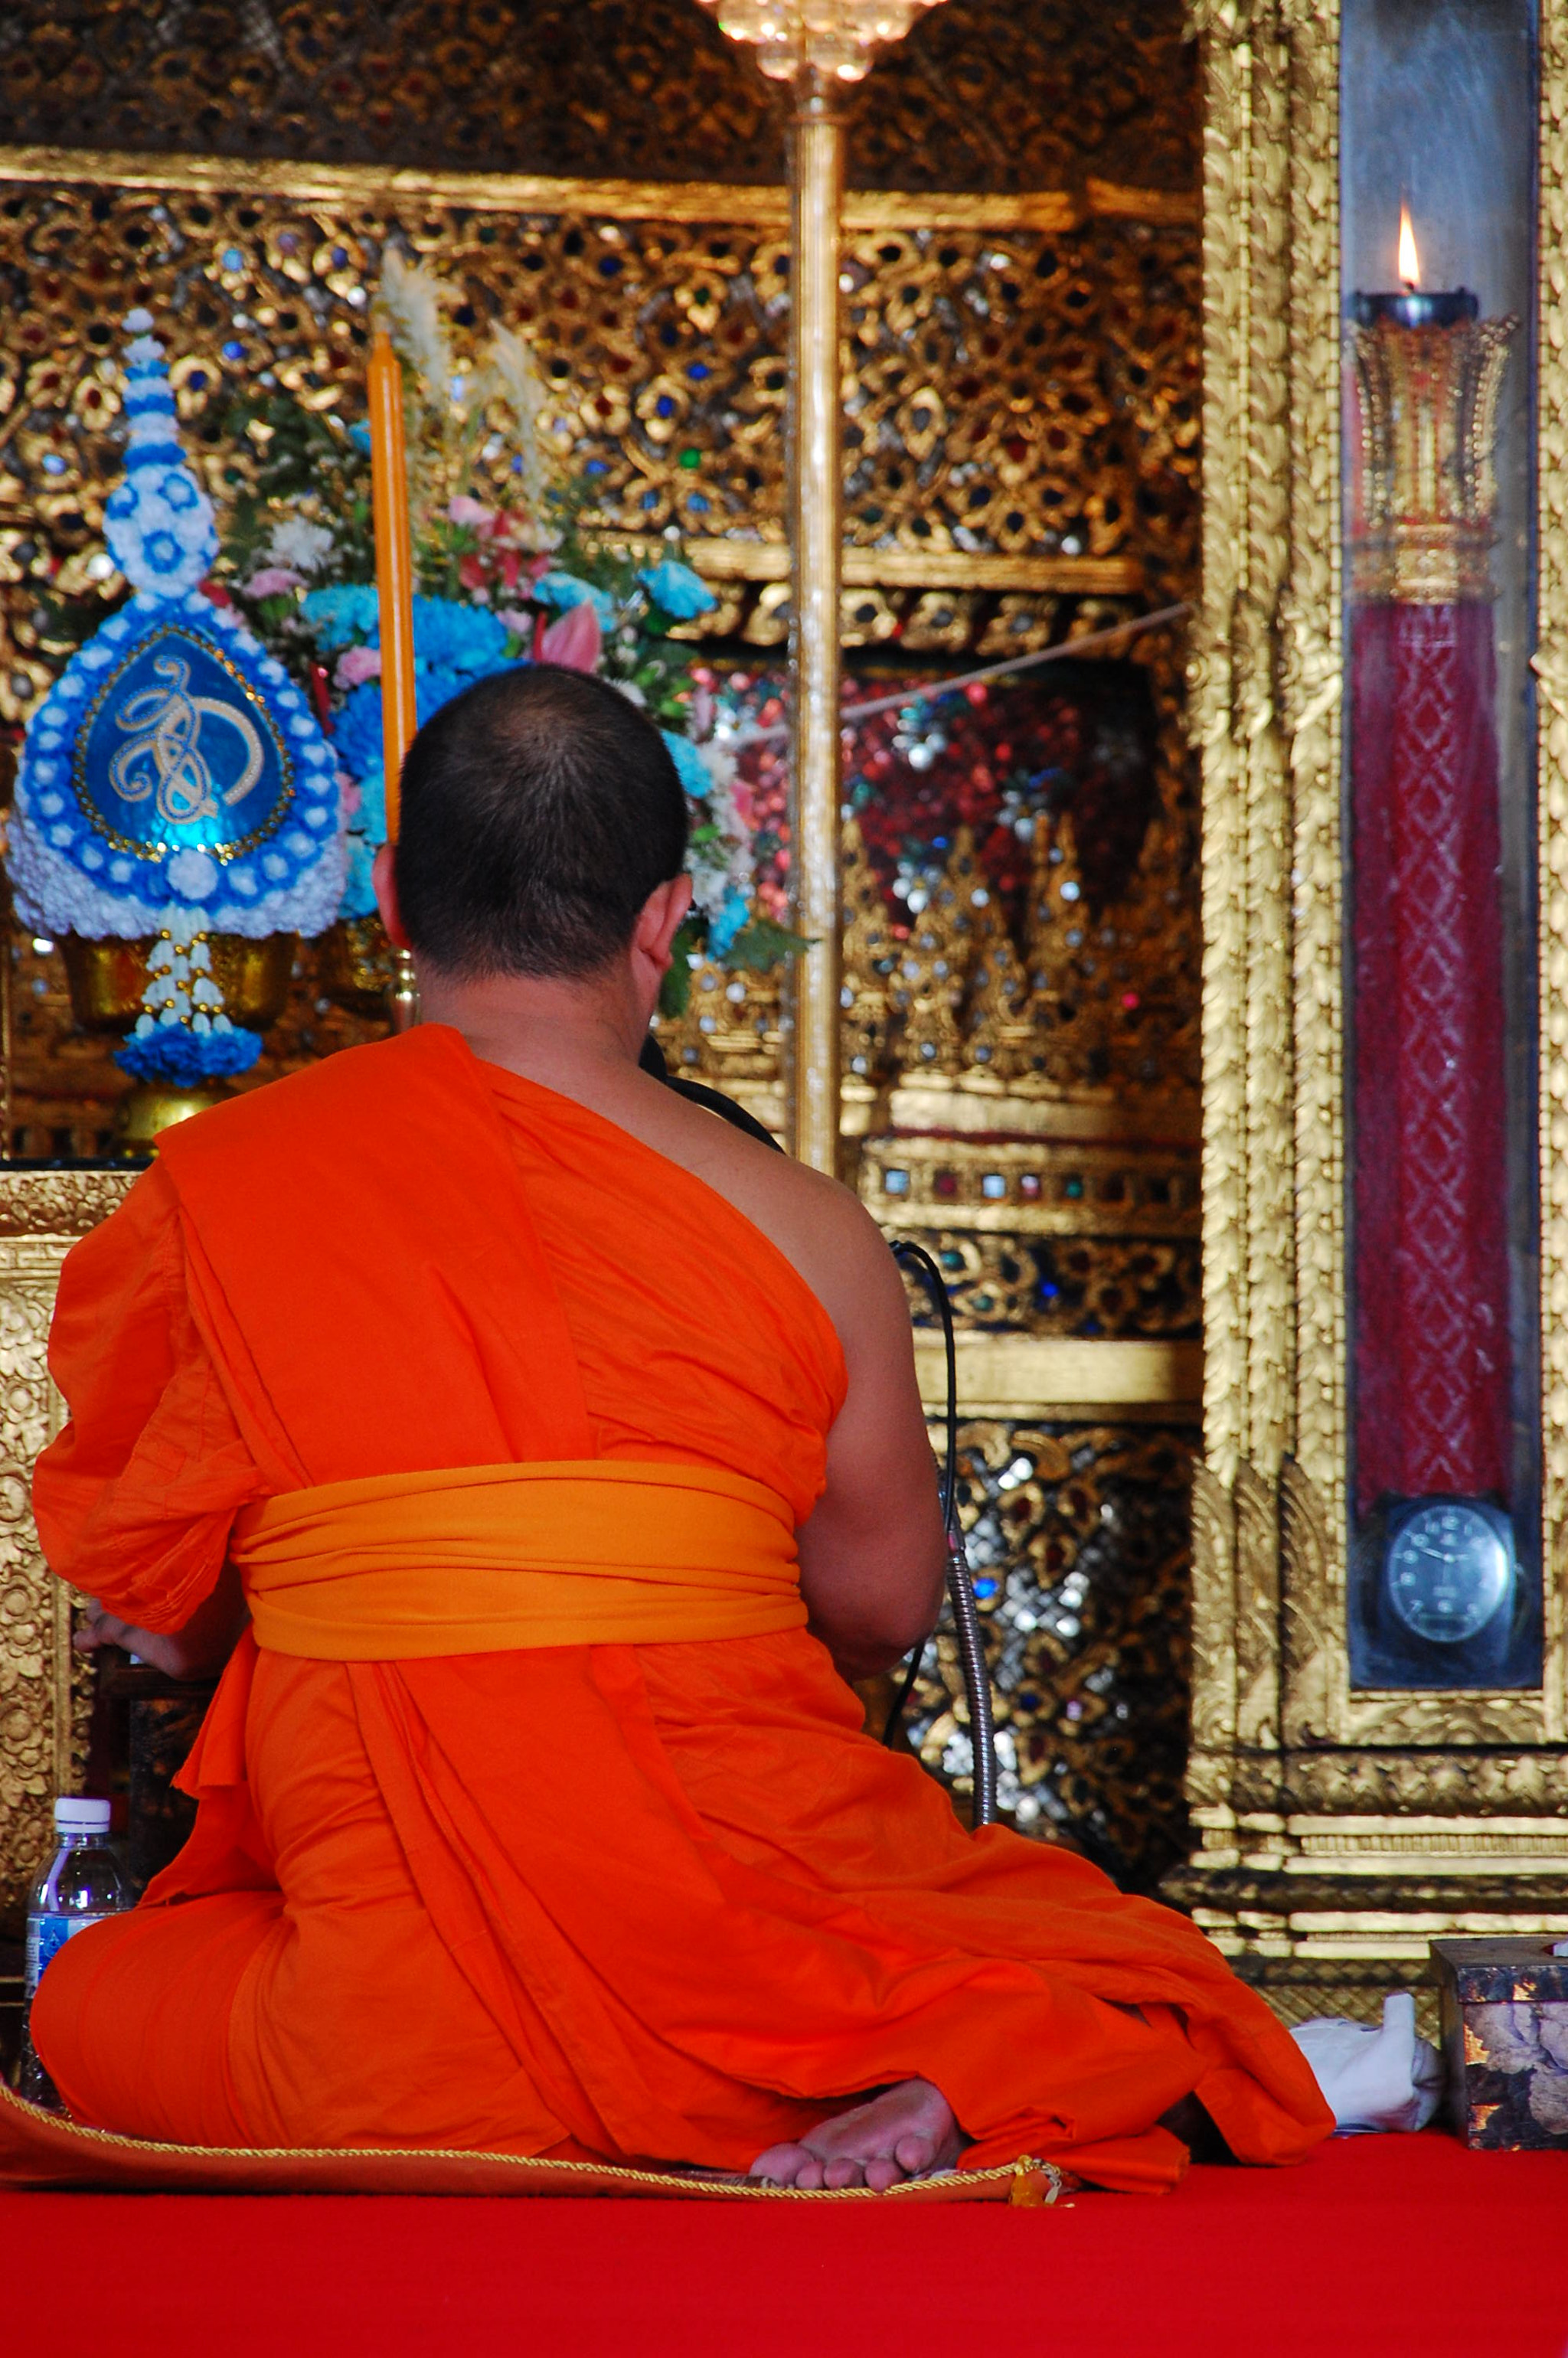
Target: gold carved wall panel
column 43, row 1688
column 1021, row 407
column 987, row 95
column 1310, row 1795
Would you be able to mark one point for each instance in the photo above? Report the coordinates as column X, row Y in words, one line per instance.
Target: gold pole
column 816, row 505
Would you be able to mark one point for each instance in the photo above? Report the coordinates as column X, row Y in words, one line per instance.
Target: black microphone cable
column 914, row 1259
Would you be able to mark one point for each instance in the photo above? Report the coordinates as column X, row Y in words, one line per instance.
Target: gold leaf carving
column 1313, row 1663
column 1256, row 1613
column 1213, row 1640
column 42, row 1731
column 1439, row 1783
column 972, row 102
column 1551, row 671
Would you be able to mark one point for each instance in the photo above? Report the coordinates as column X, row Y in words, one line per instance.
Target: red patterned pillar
column 1430, row 1323
column 1431, row 1266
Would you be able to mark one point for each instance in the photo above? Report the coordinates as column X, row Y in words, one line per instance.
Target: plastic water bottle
column 82, row 1883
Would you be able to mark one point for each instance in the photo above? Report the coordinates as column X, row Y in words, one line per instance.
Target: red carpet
column 1375, row 2248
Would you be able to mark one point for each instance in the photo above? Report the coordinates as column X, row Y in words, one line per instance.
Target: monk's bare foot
column 906, row 2132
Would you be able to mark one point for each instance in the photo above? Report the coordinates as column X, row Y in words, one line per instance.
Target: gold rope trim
column 1022, row 2175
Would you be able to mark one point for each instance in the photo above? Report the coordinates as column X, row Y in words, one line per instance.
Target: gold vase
column 354, row 965
column 107, row 980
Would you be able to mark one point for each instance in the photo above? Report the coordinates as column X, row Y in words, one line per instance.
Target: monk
column 539, row 1455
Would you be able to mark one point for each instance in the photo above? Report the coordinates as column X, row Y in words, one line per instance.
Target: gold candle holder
column 1424, row 490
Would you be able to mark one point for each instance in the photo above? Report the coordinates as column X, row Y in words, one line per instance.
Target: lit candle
column 1411, row 308
column 393, row 565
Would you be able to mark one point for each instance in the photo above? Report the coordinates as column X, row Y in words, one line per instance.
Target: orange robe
column 656, row 1900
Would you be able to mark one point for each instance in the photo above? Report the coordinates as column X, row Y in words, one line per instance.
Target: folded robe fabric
column 650, row 1900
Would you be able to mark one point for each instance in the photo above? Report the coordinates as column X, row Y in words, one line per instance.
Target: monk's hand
column 101, row 1628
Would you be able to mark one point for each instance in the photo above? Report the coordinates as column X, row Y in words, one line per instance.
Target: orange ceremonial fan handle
column 393, row 565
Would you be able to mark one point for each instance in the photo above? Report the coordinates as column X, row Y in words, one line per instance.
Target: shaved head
column 540, row 808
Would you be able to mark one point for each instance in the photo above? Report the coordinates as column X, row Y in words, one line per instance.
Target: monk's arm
column 136, row 1497
column 198, row 1649
column 872, row 1556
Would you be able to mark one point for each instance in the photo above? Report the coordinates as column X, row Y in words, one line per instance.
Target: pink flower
column 356, row 665
column 272, row 581
column 745, row 808
column 516, row 621
column 574, row 641
column 471, row 512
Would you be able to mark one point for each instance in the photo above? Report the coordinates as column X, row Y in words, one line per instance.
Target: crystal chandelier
column 838, row 37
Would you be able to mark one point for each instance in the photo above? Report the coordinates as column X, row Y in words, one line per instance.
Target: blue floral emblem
column 179, row 748
column 174, row 764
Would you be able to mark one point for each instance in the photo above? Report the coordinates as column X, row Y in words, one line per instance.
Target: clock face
column 1449, row 1569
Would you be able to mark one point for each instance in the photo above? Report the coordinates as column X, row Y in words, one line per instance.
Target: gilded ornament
column 1309, row 1798
column 44, row 1687
column 1427, row 417
column 396, row 85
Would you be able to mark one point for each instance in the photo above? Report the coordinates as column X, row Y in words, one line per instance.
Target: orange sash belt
column 485, row 1559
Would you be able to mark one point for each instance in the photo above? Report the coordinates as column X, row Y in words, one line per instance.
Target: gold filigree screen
column 1022, row 403
column 991, row 94
column 1021, row 432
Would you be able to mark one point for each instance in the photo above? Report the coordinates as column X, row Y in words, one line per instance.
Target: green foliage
column 639, row 652
column 438, row 559
column 307, row 464
column 760, row 944
column 757, row 947
column 62, row 625
column 674, row 991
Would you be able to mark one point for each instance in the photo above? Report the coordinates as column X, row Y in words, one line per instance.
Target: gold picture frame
column 1311, row 1797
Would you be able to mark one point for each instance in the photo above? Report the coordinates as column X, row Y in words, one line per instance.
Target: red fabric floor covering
column 1380, row 2245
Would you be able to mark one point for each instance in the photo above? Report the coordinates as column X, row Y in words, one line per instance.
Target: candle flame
column 1410, row 260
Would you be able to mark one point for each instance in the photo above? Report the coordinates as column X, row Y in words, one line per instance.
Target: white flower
column 514, row 372
column 194, row 874
column 412, row 298
column 297, row 546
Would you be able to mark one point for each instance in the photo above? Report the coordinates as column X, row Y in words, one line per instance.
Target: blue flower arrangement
column 174, row 781
column 183, row 1058
column 518, row 576
column 560, row 591
column 695, row 777
column 448, row 635
column 348, row 615
column 677, row 589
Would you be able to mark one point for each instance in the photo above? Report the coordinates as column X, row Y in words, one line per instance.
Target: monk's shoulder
column 817, row 1224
